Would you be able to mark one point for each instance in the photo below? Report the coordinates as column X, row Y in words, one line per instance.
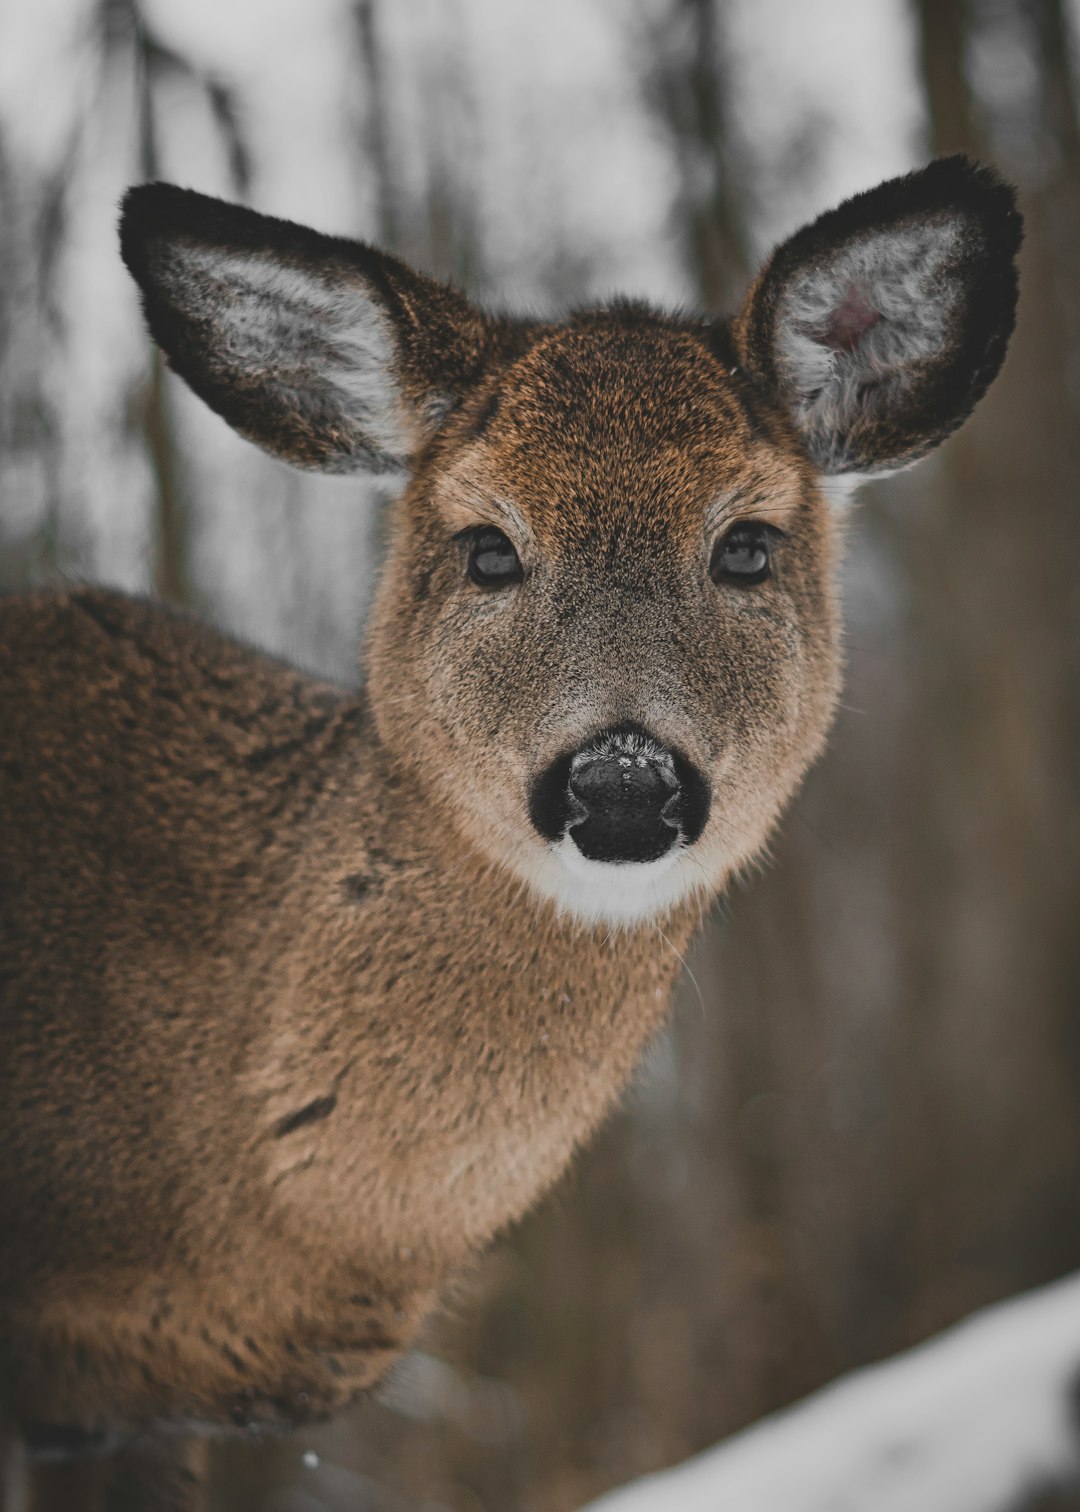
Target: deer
column 307, row 992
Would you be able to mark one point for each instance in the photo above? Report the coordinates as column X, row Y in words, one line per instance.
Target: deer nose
column 622, row 797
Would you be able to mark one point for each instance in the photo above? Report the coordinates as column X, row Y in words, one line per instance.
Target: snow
column 972, row 1421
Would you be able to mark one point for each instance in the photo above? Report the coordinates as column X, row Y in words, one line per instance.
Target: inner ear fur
column 325, row 352
column 878, row 327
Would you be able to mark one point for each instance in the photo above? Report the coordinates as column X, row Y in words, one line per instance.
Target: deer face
column 606, row 636
column 614, row 583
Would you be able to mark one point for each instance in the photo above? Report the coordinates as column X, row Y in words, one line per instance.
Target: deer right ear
column 325, row 352
column 880, row 326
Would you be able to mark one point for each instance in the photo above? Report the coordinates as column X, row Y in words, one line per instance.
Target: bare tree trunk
column 686, row 80
column 375, row 129
column 130, row 51
column 171, row 577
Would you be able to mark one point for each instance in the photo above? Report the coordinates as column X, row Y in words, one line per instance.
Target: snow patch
column 972, row 1421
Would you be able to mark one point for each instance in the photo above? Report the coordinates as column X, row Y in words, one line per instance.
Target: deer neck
column 463, row 1035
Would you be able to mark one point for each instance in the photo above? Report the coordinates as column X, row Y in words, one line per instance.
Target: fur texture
column 859, row 332
column 315, row 349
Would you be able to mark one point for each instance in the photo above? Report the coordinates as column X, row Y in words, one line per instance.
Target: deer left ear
column 878, row 327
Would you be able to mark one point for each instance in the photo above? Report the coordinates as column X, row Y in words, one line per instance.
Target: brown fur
column 288, row 1032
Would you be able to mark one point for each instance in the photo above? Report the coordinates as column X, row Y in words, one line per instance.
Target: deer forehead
column 603, row 432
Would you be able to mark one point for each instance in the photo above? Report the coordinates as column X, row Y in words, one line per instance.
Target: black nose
column 622, row 797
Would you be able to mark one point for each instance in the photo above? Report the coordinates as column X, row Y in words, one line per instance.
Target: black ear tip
column 148, row 211
column 964, row 183
column 956, row 186
column 158, row 212
column 145, row 202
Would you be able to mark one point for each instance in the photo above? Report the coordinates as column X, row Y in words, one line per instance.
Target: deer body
column 306, row 992
column 354, row 1061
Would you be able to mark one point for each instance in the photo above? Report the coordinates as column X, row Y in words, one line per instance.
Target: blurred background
column 865, row 1119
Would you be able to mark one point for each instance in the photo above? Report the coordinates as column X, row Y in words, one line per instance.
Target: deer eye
column 742, row 556
column 492, row 561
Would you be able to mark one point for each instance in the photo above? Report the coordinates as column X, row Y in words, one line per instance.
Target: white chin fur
column 610, row 892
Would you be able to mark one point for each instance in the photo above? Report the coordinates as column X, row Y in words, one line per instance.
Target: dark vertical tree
column 684, row 60
column 131, row 51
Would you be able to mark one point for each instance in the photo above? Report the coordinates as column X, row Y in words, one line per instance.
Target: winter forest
column 864, row 1122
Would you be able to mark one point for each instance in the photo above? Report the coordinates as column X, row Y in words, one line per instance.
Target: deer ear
column 325, row 352
column 879, row 327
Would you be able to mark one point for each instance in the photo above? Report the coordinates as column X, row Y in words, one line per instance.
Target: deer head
column 605, row 640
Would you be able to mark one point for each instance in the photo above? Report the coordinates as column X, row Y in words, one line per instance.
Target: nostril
column 551, row 803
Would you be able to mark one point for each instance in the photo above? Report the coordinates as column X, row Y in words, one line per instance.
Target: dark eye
column 742, row 556
column 493, row 562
